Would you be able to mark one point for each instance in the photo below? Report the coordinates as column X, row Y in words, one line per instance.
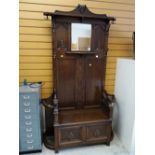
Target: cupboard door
column 94, row 81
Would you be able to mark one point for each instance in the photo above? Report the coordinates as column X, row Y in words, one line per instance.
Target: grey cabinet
column 29, row 119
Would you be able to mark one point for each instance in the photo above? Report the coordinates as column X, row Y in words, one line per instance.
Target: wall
column 124, row 109
column 35, row 37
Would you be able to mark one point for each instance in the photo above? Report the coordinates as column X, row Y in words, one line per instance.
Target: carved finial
column 81, row 8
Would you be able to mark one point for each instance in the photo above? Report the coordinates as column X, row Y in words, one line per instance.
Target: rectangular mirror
column 80, row 37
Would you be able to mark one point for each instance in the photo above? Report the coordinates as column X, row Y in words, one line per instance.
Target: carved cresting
column 81, row 8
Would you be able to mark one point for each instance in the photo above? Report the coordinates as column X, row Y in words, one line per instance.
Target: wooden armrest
column 46, row 103
column 108, row 100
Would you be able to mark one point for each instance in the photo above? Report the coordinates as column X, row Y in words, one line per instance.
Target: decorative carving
column 107, row 27
column 96, row 131
column 61, row 45
column 79, row 11
column 70, row 134
column 81, row 8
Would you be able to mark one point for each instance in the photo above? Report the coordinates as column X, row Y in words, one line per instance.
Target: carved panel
column 70, row 134
column 97, row 132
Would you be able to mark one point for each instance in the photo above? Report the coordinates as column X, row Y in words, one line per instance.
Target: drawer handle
column 27, row 116
column 28, row 129
column 27, row 110
column 29, row 135
column 30, row 147
column 26, row 97
column 26, row 103
column 29, row 141
column 28, row 122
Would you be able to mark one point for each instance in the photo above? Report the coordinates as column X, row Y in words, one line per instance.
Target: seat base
column 80, row 127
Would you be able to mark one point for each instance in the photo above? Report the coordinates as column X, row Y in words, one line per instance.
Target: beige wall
column 35, row 37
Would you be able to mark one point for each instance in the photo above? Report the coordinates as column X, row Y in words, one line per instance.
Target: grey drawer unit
column 29, row 119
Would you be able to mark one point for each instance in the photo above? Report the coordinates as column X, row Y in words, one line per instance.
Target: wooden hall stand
column 82, row 109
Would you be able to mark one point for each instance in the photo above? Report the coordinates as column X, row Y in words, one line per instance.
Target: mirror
column 80, row 37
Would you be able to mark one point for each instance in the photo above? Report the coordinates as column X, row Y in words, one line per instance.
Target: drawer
column 97, row 132
column 70, row 135
column 30, row 146
column 28, row 139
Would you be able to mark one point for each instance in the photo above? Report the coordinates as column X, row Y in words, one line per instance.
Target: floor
column 115, row 148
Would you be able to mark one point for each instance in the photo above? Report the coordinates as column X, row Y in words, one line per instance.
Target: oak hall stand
column 82, row 109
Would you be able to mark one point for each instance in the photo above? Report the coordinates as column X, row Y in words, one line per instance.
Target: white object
column 124, row 109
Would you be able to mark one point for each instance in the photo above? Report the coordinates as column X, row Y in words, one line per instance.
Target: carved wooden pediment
column 80, row 11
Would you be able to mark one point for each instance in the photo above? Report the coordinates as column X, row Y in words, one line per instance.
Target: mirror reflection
column 80, row 37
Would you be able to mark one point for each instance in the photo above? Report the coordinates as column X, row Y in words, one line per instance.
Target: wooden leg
column 108, row 143
column 56, row 151
column 56, row 146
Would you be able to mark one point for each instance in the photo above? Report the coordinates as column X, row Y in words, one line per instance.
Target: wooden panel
column 35, row 52
column 121, row 17
column 34, row 45
column 32, row 66
column 34, row 59
column 47, row 31
column 35, row 23
column 94, row 79
column 119, row 53
column 35, row 38
column 42, row 23
column 35, row 72
column 44, row 38
column 97, row 132
column 72, row 4
column 70, row 135
column 42, row 45
column 127, row 2
column 35, row 30
column 30, row 8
